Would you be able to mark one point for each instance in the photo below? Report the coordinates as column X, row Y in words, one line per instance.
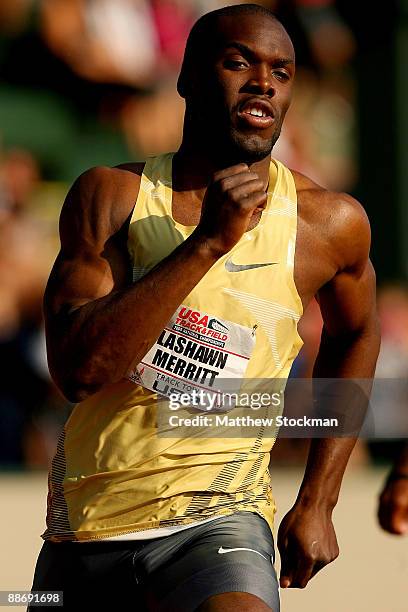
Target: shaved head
column 238, row 60
column 205, row 34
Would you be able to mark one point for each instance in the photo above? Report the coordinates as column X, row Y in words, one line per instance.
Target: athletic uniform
column 115, row 481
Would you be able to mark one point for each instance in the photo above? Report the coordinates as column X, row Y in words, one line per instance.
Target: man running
column 178, row 272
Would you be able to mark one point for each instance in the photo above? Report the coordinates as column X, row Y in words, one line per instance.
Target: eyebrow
column 282, row 61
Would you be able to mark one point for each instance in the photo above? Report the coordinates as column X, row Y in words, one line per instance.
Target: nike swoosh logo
column 231, row 267
column 223, row 551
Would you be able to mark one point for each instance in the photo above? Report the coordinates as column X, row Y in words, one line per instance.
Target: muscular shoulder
column 334, row 220
column 100, row 202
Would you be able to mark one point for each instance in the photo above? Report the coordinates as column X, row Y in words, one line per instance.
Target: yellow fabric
column 112, row 474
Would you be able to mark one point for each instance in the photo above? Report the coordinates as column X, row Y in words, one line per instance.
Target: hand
column 229, row 203
column 393, row 506
column 307, row 543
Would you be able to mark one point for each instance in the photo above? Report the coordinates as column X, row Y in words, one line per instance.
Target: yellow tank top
column 113, row 473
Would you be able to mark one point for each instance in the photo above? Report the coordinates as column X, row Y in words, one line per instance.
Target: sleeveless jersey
column 113, row 474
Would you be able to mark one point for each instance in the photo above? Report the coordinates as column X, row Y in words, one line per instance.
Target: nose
column 260, row 81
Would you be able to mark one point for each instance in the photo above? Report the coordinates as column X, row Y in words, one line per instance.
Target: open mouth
column 256, row 113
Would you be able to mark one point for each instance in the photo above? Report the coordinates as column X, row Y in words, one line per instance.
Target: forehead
column 259, row 32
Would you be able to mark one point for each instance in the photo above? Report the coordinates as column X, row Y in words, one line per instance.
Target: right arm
column 98, row 323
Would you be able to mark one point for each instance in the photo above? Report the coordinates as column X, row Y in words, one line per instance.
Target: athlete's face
column 243, row 97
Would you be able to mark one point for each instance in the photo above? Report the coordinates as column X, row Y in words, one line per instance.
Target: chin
column 251, row 148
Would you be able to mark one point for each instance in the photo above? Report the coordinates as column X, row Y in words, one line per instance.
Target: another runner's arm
column 98, row 323
column 349, row 349
column 400, row 466
column 393, row 502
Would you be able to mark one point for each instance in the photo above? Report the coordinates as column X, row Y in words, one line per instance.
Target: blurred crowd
column 88, row 82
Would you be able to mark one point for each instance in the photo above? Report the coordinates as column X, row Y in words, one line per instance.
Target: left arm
column 349, row 349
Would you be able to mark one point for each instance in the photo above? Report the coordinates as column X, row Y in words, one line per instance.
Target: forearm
column 353, row 356
column 102, row 339
column 353, row 360
column 326, row 464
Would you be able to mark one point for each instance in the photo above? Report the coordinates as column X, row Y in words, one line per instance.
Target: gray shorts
column 175, row 573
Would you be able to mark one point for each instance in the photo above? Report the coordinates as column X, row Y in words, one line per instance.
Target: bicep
column 93, row 259
column 348, row 300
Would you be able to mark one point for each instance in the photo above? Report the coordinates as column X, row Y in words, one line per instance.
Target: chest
column 313, row 262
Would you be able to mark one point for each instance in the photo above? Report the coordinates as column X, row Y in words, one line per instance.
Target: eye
column 281, row 75
column 235, row 64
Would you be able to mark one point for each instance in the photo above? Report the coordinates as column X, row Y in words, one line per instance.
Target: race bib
column 196, row 352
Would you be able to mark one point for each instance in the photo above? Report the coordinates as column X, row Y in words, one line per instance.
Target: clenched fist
column 232, row 198
column 307, row 543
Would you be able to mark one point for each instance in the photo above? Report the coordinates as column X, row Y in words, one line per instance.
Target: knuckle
column 224, row 185
column 261, row 199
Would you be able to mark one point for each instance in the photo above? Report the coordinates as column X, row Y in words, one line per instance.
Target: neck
column 194, row 167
